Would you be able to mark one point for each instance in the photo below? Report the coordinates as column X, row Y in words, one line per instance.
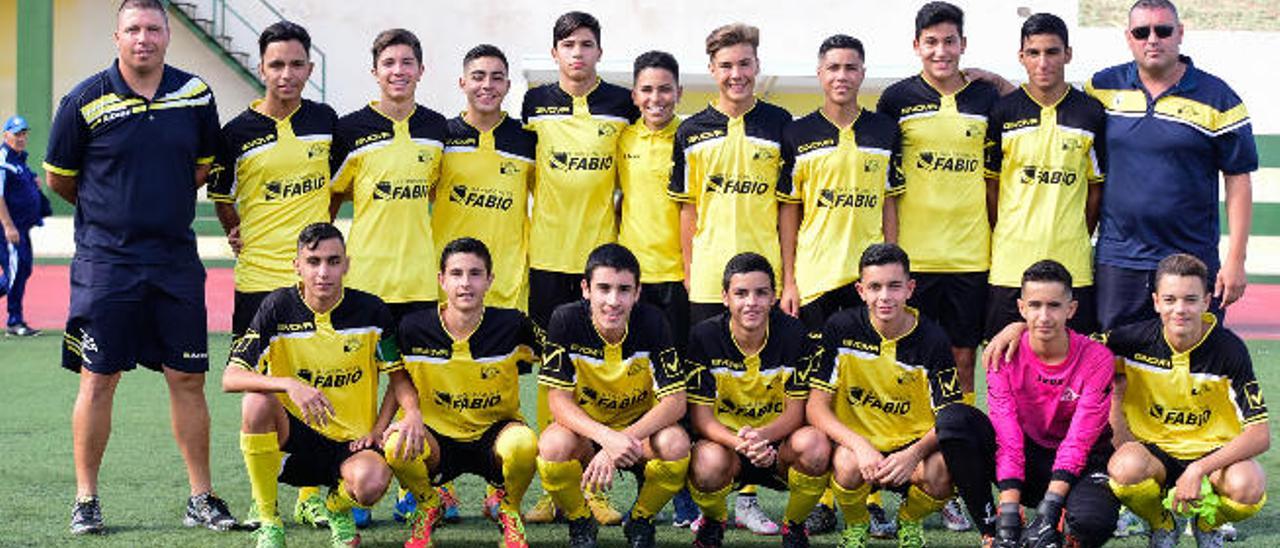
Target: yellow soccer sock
column 544, row 408
column 412, row 473
column 805, row 492
column 517, row 446
column 918, row 504
column 749, row 490
column 876, row 497
column 340, row 499
column 852, row 503
column 1146, row 500
column 305, row 493
column 662, row 480
column 713, row 504
column 262, row 457
column 828, row 498
column 1230, row 511
column 562, row 480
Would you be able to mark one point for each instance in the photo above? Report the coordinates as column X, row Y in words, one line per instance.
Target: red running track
column 48, row 293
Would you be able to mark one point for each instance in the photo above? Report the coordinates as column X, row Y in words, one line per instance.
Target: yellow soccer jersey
column 942, row 214
column 390, row 169
column 1189, row 403
column 615, row 384
column 573, row 209
column 276, row 172
column 1045, row 157
column 749, row 390
column 731, row 170
column 467, row 385
column 886, row 390
column 841, row 176
column 487, row 176
column 339, row 352
column 650, row 225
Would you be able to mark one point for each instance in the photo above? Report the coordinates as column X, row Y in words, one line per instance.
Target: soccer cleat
column 362, row 516
column 269, row 535
column 512, row 529
column 543, row 511
column 1208, row 539
column 710, row 533
column 1128, row 524
column 311, row 511
column 403, row 507
column 989, row 541
column 21, row 329
column 747, row 514
column 639, row 532
column 207, row 510
column 86, row 517
column 602, row 509
column 251, row 518
column 493, row 504
column 1166, row 538
column 1229, row 532
column 953, row 517
column 821, row 520
column 421, row 523
column 449, row 503
column 794, row 535
column 910, row 534
column 342, row 530
column 686, row 512
column 882, row 526
column 854, row 536
column 582, row 532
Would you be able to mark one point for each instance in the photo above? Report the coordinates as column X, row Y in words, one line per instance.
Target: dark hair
column 467, row 245
column 842, row 41
column 1155, row 5
column 568, row 23
column 315, row 233
column 884, row 254
column 656, row 59
column 614, row 256
column 1182, row 264
column 396, row 37
column 1044, row 23
column 485, row 50
column 732, row 35
column 1048, row 270
column 936, row 13
column 155, row 5
column 746, row 263
column 284, row 31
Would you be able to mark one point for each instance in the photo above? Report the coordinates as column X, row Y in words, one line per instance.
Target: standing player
column 839, row 166
column 748, row 384
column 269, row 181
column 464, row 358
column 1044, row 181
column 616, row 391
column 308, row 365
column 880, row 365
column 129, row 147
column 486, row 175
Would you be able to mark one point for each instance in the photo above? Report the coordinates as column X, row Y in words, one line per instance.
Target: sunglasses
column 1141, row 33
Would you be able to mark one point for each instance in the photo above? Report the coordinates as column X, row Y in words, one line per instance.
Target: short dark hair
column 1048, row 270
column 884, row 254
column 1155, row 5
column 936, row 13
column 396, row 37
column 1182, row 264
column 842, row 41
column 467, row 245
column 615, row 256
column 155, row 5
column 314, row 233
column 1044, row 23
column 731, row 35
column 746, row 263
column 485, row 50
column 568, row 23
column 284, row 31
column 656, row 59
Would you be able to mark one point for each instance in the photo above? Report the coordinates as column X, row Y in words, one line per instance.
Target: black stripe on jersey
column 764, row 121
column 570, row 332
column 251, row 131
column 712, row 349
column 283, row 313
column 366, row 127
column 509, row 138
column 914, row 96
column 606, row 100
column 816, row 132
column 1018, row 112
column 422, row 333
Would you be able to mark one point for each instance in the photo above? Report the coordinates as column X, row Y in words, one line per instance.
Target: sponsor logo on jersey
column 1047, row 176
column 552, row 109
column 372, row 138
column 1152, row 360
column 612, row 402
column 843, row 197
column 749, row 410
column 725, row 185
column 814, row 145
column 283, row 190
column 461, row 142
column 860, row 397
column 407, row 189
column 331, row 379
column 257, row 142
column 1018, row 124
column 1179, row 417
column 947, row 161
column 467, row 400
column 485, row 198
column 581, row 161
column 294, row 327
column 703, row 136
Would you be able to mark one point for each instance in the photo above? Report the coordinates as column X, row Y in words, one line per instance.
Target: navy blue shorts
column 123, row 315
column 311, row 458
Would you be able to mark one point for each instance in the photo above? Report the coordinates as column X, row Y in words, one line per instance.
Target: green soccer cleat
column 269, row 535
column 311, row 511
column 342, row 530
column 854, row 536
column 910, row 534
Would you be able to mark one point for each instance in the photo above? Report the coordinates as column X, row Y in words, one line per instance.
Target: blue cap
column 16, row 124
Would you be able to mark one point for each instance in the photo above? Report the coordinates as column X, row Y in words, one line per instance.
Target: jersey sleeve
column 222, row 176
column 557, row 369
column 700, row 388
column 1098, row 148
column 388, row 351
column 993, row 146
column 679, row 188
column 340, row 162
column 532, row 337
column 1251, row 408
column 1234, row 148
column 826, row 361
column 895, row 183
column 944, row 385
column 1002, row 408
column 68, row 139
column 1093, row 409
column 249, row 351
column 789, row 180
column 668, row 371
column 810, row 352
column 210, row 131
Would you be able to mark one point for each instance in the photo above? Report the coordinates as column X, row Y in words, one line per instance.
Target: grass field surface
column 144, row 488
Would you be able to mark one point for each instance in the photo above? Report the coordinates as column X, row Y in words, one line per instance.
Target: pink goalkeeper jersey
column 1062, row 406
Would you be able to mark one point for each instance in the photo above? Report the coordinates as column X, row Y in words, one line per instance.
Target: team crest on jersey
column 764, row 154
column 509, row 168
column 948, row 383
column 1253, row 397
column 1070, row 144
column 636, row 367
column 489, row 371
column 352, row 344
column 606, row 130
column 872, row 165
column 669, row 362
column 975, row 130
column 317, row 150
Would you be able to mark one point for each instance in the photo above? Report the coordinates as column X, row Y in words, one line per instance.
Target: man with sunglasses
column 1171, row 129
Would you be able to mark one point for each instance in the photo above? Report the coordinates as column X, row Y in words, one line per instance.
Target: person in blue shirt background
column 22, row 208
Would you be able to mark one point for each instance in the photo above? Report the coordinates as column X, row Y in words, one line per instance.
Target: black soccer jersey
column 749, row 390
column 467, row 385
column 615, row 384
column 1187, row 403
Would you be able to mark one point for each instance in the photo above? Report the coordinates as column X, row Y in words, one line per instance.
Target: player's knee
column 709, row 466
column 1243, row 482
column 183, row 382
column 368, row 480
column 1129, row 464
column 844, row 468
column 813, row 450
column 557, row 443
column 671, row 443
column 258, row 412
column 957, row 421
column 937, row 479
column 96, row 387
column 1093, row 522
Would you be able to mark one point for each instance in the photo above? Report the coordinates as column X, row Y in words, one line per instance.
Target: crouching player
column 464, row 358
column 308, row 365
column 1047, row 441
column 1190, row 399
column 748, row 385
column 880, row 364
column 616, row 390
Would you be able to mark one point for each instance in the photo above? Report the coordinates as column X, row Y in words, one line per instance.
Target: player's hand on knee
column 412, row 438
column 623, row 449
column 869, row 460
column 598, row 476
column 313, row 404
column 362, row 443
column 896, row 469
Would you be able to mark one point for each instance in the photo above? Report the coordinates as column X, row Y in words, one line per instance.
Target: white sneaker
column 747, row 514
column 953, row 517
